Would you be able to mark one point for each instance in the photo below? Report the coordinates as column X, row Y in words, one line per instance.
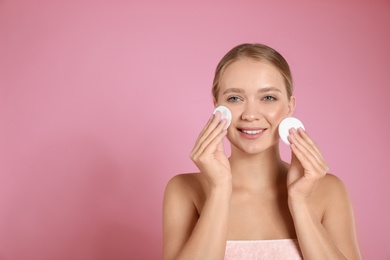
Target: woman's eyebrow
column 269, row 89
column 262, row 90
column 233, row 90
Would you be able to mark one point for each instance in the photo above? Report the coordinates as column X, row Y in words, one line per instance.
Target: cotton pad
column 226, row 114
column 286, row 125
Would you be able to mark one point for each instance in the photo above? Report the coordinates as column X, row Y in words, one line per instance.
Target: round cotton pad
column 286, row 125
column 225, row 114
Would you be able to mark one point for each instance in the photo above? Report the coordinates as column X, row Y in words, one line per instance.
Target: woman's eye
column 269, row 98
column 233, row 99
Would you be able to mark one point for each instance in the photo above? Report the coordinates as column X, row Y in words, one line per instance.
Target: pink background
column 101, row 102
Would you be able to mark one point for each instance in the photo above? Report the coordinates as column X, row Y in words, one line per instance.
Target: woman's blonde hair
column 258, row 52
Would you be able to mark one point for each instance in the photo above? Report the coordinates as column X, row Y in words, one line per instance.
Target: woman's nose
column 251, row 112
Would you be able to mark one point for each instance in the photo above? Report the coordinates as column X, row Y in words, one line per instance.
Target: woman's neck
column 258, row 171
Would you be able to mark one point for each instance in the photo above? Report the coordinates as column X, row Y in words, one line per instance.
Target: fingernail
column 218, row 114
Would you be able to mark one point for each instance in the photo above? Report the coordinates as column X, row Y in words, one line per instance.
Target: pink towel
column 263, row 249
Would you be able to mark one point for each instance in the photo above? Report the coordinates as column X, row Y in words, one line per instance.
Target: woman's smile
column 251, row 133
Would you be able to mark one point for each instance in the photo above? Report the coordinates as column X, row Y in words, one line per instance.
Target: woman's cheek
column 235, row 112
column 275, row 113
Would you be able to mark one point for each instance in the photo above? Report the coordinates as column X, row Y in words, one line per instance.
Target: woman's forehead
column 249, row 73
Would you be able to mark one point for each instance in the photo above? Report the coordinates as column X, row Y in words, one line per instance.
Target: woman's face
column 256, row 95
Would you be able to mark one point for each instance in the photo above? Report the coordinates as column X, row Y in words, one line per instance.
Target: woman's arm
column 187, row 235
column 332, row 236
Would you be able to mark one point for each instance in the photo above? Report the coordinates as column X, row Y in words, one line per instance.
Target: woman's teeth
column 252, row 132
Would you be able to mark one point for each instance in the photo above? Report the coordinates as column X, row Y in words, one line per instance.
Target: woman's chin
column 253, row 149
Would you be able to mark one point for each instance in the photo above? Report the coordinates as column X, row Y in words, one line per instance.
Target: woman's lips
column 251, row 133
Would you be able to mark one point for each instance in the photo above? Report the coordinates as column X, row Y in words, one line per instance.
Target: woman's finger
column 308, row 157
column 205, row 128
column 308, row 163
column 315, row 148
column 303, row 142
column 200, row 149
column 216, row 143
column 300, row 142
column 305, row 136
column 210, row 126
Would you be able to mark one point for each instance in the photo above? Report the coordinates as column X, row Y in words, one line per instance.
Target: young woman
column 253, row 205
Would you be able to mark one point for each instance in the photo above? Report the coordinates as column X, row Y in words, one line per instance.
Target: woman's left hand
column 307, row 167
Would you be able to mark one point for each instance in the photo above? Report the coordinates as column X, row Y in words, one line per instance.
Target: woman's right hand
column 208, row 153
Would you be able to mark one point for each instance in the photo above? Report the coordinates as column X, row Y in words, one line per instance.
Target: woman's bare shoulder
column 188, row 185
column 331, row 184
column 185, row 180
column 330, row 191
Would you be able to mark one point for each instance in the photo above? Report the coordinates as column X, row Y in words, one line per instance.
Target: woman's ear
column 215, row 102
column 291, row 106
